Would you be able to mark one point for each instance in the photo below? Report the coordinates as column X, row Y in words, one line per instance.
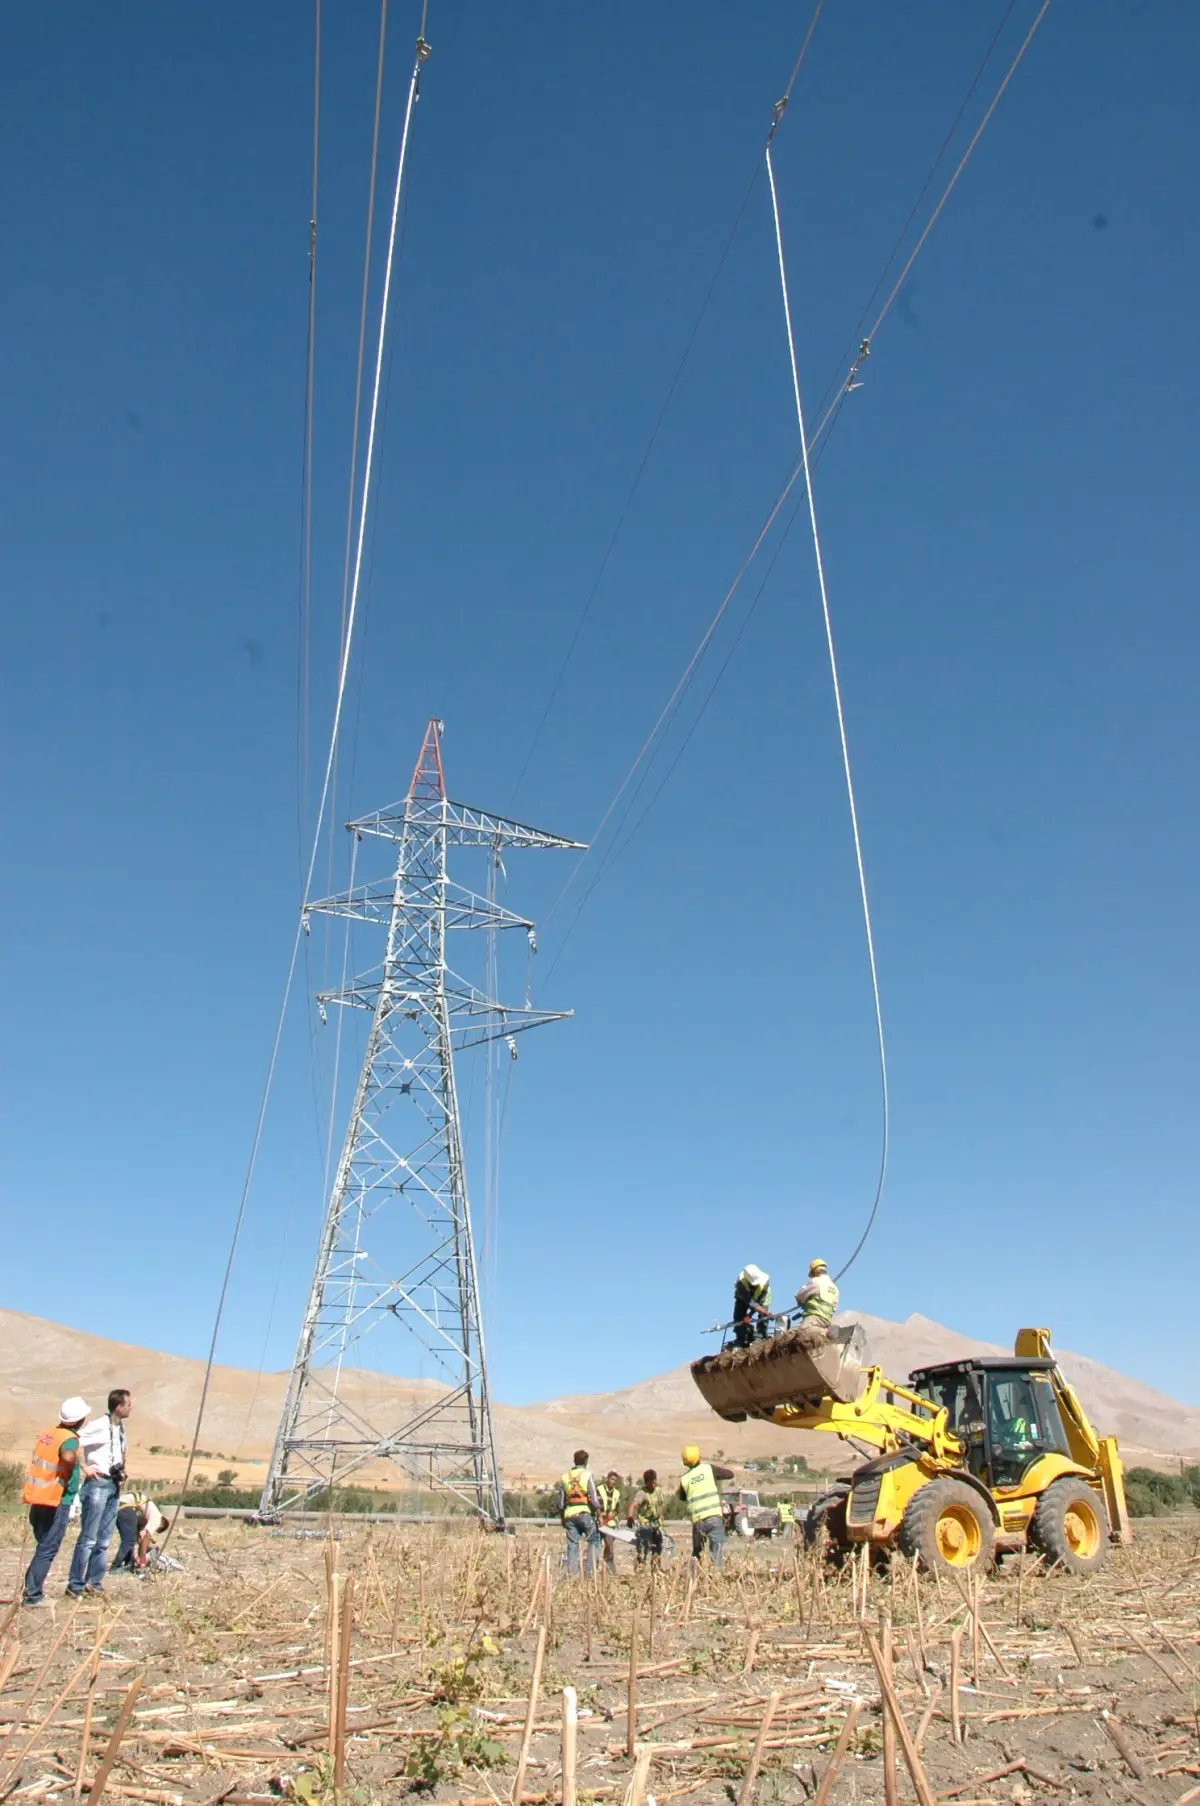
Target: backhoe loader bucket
column 750, row 1382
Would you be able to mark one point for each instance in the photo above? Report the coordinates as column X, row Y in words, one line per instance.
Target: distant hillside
column 640, row 1425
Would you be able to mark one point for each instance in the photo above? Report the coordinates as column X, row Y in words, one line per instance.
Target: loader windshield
column 1023, row 1423
column 959, row 1394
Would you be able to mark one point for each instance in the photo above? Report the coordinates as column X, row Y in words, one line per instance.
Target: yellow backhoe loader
column 975, row 1457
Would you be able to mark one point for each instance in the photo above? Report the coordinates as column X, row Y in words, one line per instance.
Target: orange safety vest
column 47, row 1474
column 575, row 1491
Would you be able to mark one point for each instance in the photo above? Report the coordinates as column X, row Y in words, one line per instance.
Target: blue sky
column 1008, row 517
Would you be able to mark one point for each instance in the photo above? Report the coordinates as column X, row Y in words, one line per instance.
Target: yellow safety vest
column 575, row 1484
column 819, row 1308
column 609, row 1497
column 699, row 1487
column 786, row 1514
column 647, row 1508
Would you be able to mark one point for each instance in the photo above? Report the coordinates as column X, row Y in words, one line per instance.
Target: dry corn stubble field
column 450, row 1664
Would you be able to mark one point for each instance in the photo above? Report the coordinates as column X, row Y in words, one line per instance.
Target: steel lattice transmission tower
column 396, row 1262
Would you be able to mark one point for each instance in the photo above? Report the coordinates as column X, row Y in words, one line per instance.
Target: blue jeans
column 710, row 1531
column 581, row 1529
column 98, row 1514
column 49, row 1526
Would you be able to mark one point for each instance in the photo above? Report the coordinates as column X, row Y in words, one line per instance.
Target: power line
column 815, row 449
column 640, row 472
column 835, row 680
column 422, row 51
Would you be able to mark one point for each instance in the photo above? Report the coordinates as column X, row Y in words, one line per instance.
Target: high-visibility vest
column 610, row 1498
column 786, row 1514
column 47, row 1474
column 575, row 1484
column 647, row 1508
column 744, row 1294
column 823, row 1300
column 699, row 1485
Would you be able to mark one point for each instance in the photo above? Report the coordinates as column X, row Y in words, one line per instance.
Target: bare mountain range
column 639, row 1425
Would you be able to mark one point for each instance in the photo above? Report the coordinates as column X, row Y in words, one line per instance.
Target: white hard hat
column 73, row 1410
column 755, row 1275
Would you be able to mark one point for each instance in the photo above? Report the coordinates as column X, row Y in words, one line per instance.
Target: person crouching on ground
column 51, row 1482
column 645, row 1520
column 578, row 1505
column 102, row 1446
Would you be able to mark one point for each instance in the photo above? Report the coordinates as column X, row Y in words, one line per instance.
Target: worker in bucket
column 699, row 1492
column 751, row 1306
column 578, row 1505
column 818, row 1300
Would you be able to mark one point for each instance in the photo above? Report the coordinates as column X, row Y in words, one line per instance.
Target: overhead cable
column 815, row 448
column 422, row 52
column 835, row 680
column 664, row 410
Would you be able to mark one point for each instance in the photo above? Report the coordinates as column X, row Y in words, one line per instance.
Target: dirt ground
column 1070, row 1689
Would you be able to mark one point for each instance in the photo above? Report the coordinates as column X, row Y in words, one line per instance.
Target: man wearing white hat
column 751, row 1305
column 51, row 1482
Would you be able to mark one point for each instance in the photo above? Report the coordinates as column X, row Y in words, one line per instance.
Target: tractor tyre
column 948, row 1528
column 1070, row 1526
column 825, row 1529
column 742, row 1526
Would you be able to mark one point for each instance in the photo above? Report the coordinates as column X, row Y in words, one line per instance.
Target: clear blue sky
column 1009, row 516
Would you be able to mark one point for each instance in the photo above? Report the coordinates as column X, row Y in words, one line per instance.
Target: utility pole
column 395, row 1282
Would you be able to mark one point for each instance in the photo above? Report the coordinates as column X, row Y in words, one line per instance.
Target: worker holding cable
column 751, row 1306
column 818, row 1300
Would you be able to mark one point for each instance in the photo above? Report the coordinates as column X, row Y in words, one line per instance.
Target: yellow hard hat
column 817, row 1266
column 691, row 1455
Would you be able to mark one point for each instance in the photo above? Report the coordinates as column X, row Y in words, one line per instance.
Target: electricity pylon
column 396, row 1261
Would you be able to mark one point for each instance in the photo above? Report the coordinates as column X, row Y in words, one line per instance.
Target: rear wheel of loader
column 1070, row 1526
column 948, row 1527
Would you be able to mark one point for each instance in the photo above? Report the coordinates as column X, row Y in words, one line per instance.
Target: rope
column 422, row 51
column 841, row 718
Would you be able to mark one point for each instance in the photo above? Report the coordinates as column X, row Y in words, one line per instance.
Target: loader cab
column 1002, row 1408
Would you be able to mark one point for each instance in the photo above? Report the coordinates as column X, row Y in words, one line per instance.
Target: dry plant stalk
column 345, row 1620
column 912, row 1760
column 100, row 1778
column 891, row 1793
column 849, row 1726
column 956, row 1728
column 530, row 1716
column 746, row 1791
column 570, row 1745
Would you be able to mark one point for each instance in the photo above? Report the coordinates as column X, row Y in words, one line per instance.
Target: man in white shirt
column 102, row 1453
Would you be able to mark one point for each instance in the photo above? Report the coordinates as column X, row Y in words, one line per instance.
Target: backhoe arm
column 1088, row 1449
column 885, row 1414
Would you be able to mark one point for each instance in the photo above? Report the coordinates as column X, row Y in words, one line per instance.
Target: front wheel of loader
column 949, row 1528
column 1070, row 1527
